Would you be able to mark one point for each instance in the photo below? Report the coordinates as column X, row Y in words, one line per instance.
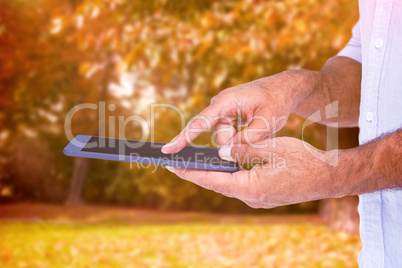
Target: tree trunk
column 341, row 214
column 80, row 171
column 81, row 165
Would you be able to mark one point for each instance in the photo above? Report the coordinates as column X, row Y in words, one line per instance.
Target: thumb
column 245, row 153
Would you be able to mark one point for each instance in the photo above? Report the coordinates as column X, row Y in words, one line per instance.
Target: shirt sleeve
column 353, row 48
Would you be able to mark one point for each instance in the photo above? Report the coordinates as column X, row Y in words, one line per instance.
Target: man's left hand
column 286, row 171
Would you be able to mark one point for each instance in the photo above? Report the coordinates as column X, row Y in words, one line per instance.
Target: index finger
column 204, row 121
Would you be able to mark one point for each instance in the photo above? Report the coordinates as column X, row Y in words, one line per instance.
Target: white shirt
column 377, row 44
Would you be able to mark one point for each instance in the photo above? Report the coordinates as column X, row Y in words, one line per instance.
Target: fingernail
column 164, row 147
column 225, row 152
column 170, row 169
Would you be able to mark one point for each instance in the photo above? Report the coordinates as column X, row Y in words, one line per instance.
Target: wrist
column 353, row 174
column 331, row 172
column 305, row 83
column 341, row 174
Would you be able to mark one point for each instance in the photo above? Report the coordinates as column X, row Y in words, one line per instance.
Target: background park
column 58, row 211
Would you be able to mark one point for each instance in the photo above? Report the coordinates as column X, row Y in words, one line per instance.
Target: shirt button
column 369, row 116
column 378, row 43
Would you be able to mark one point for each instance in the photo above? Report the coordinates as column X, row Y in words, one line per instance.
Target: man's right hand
column 263, row 106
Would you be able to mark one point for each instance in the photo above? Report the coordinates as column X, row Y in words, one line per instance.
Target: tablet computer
column 148, row 153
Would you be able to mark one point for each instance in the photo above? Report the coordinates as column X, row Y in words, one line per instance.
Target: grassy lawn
column 196, row 243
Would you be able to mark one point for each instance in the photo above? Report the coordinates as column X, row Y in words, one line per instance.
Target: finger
column 258, row 205
column 266, row 138
column 224, row 132
column 229, row 184
column 213, row 99
column 252, row 204
column 257, row 130
column 245, row 153
column 200, row 123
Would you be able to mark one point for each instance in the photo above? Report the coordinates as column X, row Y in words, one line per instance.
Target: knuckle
column 213, row 100
column 199, row 123
column 218, row 97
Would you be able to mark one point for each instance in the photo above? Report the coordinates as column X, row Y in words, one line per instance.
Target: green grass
column 176, row 245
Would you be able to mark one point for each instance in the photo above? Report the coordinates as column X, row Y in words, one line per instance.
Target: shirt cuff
column 351, row 51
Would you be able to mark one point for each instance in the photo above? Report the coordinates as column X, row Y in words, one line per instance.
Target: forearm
column 370, row 167
column 339, row 80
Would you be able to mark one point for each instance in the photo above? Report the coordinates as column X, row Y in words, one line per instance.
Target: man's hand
column 285, row 173
column 289, row 171
column 263, row 105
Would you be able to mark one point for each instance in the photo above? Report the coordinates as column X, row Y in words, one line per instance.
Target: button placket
column 374, row 64
column 369, row 116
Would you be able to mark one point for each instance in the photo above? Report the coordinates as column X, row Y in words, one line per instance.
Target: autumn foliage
column 57, row 54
